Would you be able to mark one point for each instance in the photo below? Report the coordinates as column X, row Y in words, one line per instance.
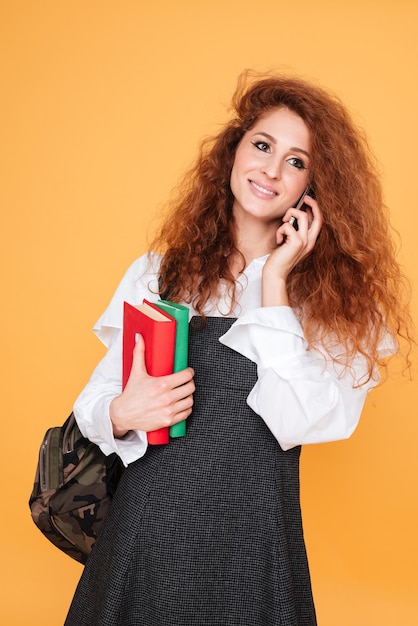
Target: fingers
column 298, row 218
column 166, row 405
column 183, row 391
column 182, row 410
column 174, row 393
column 151, row 402
column 316, row 221
column 307, row 222
column 138, row 368
column 179, row 378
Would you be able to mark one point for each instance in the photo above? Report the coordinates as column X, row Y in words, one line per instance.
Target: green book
column 181, row 353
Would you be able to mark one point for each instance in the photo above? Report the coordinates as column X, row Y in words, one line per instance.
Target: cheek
column 243, row 163
column 234, row 176
column 296, row 183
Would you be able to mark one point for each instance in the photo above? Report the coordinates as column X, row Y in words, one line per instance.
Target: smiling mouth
column 268, row 192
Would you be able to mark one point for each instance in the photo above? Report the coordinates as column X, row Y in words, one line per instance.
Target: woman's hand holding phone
column 293, row 245
column 299, row 205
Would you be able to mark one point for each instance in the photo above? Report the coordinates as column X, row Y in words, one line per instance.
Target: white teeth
column 270, row 193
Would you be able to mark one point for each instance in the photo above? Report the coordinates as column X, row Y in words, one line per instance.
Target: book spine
column 181, row 352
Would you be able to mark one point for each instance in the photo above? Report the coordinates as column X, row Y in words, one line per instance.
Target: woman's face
column 271, row 166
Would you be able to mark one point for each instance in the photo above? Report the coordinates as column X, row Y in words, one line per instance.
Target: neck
column 253, row 241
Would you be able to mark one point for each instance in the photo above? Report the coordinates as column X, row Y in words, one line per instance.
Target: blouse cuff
column 129, row 448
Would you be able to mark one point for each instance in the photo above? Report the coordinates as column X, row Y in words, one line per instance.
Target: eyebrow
column 293, row 148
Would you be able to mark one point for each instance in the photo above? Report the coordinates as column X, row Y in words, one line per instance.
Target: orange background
column 103, row 104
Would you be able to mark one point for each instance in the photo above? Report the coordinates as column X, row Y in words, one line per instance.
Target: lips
column 263, row 190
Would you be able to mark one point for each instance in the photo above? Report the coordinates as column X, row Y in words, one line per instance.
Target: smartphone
column 299, row 205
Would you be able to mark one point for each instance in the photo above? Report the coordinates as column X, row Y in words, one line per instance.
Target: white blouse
column 302, row 396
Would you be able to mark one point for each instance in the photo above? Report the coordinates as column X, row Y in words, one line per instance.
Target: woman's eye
column 261, row 145
column 298, row 163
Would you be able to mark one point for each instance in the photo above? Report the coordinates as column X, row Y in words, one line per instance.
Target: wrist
column 274, row 290
column 119, row 431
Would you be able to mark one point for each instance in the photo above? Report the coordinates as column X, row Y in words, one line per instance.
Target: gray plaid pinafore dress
column 207, row 530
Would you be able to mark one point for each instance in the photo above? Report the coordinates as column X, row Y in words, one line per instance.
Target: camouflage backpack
column 73, row 490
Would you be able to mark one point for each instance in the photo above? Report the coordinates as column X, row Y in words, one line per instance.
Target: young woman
column 289, row 323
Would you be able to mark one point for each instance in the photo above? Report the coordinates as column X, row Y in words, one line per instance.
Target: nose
column 272, row 168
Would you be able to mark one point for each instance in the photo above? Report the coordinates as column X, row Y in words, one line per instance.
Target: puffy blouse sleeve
column 140, row 281
column 91, row 408
column 301, row 394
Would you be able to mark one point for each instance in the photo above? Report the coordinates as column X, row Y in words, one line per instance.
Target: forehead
column 282, row 123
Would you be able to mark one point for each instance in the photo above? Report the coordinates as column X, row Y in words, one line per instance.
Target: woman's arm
column 118, row 421
column 302, row 397
column 91, row 408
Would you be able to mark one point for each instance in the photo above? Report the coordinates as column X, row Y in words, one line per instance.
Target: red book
column 159, row 332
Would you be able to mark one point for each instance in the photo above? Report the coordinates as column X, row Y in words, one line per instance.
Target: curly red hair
column 350, row 287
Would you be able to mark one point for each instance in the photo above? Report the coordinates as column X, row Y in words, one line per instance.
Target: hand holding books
column 165, row 337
